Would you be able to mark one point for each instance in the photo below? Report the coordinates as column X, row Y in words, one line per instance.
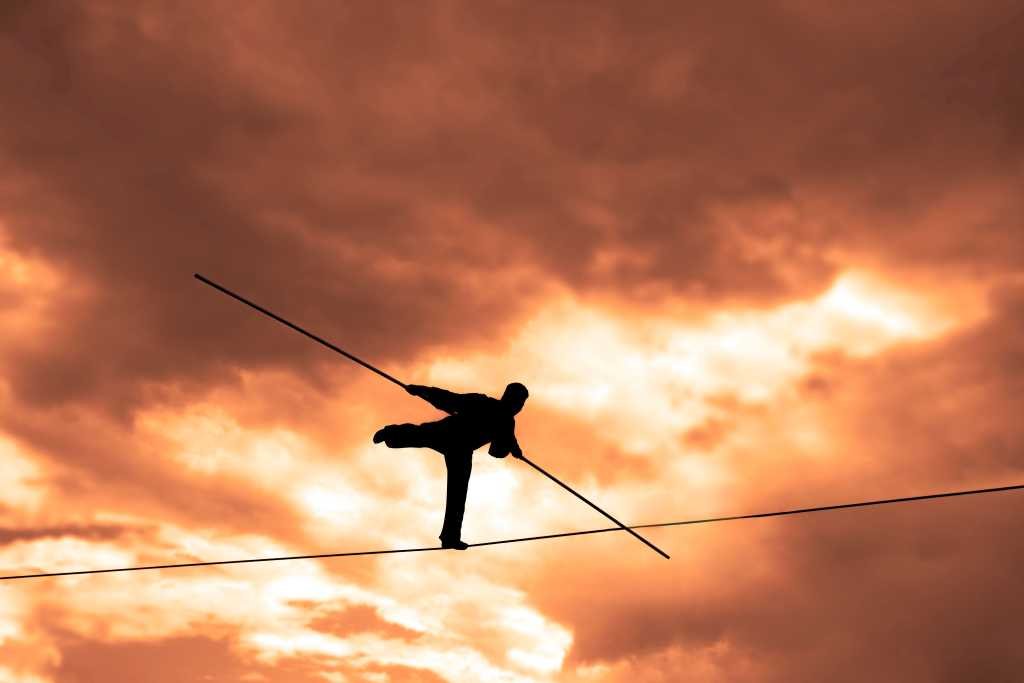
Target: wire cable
column 564, row 534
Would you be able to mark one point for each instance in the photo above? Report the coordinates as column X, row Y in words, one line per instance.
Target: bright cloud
column 645, row 379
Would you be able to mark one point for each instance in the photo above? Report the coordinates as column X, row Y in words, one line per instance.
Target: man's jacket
column 473, row 420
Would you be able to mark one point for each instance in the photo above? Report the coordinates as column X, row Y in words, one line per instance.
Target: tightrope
column 706, row 520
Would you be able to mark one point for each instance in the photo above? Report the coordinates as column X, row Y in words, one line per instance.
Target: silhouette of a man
column 473, row 420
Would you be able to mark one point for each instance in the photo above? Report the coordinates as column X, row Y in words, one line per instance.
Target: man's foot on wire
column 454, row 544
column 380, row 435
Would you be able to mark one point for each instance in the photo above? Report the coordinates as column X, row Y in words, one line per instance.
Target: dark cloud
column 392, row 177
column 119, row 186
column 353, row 619
column 92, row 532
column 172, row 660
column 205, row 658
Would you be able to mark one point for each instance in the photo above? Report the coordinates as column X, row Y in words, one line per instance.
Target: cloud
column 739, row 253
column 91, row 532
column 926, row 586
column 409, row 167
column 182, row 658
column 355, row 619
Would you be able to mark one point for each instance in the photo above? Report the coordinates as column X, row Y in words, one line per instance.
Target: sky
column 747, row 256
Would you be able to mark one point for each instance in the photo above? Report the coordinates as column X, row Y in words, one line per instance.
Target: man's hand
column 517, row 454
column 415, row 389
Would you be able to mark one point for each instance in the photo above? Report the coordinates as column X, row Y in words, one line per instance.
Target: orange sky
column 747, row 256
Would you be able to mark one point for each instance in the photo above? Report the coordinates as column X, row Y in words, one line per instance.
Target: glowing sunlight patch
column 549, row 642
column 333, row 502
column 26, row 273
column 273, row 645
column 646, row 380
column 19, row 477
column 27, row 290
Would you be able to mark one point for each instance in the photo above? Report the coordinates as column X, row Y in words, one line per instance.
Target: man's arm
column 442, row 399
column 505, row 444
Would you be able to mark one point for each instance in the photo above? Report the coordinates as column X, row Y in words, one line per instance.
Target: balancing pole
column 580, row 496
column 321, row 340
column 298, row 329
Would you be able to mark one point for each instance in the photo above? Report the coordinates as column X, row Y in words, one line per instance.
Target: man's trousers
column 458, row 461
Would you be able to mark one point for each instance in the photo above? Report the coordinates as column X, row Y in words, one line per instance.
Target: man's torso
column 477, row 423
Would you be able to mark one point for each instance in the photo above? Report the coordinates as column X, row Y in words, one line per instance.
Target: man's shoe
column 454, row 544
column 380, row 435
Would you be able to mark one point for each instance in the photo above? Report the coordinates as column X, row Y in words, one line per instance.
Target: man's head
column 515, row 396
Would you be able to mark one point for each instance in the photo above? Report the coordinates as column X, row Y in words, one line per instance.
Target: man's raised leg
column 405, row 436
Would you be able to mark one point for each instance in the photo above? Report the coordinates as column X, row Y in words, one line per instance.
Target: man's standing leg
column 460, row 466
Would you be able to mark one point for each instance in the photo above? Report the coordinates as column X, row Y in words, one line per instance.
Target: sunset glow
column 746, row 257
